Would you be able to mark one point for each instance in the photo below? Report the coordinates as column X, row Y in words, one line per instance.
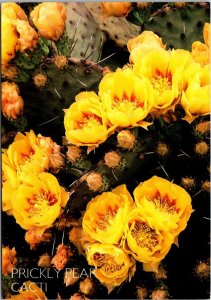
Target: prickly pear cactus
column 105, row 164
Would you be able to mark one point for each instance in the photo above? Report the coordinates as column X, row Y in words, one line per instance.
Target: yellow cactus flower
column 49, row 18
column 112, row 265
column 206, row 34
column 29, row 290
column 26, row 156
column 164, row 205
column 105, row 215
column 201, row 51
column 116, row 9
column 28, row 38
column 142, row 44
column 126, row 99
column 84, row 121
column 196, row 91
column 12, row 102
column 144, row 241
column 164, row 70
column 13, row 11
column 9, row 40
column 9, row 260
column 37, row 201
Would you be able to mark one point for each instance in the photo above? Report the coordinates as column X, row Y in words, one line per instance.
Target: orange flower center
column 145, row 236
column 107, row 263
column 90, row 120
column 41, row 201
column 104, row 219
column 27, row 157
column 164, row 203
column 126, row 103
column 162, row 82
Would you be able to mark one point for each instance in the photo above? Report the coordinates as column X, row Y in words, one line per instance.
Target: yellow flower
column 126, row 99
column 9, row 260
column 144, row 241
column 164, row 70
column 164, row 205
column 26, row 156
column 105, row 215
column 49, row 18
column 9, row 40
column 29, row 290
column 12, row 102
column 37, row 201
column 116, row 9
column 112, row 264
column 28, row 37
column 13, row 11
column 196, row 91
column 84, row 121
column 142, row 44
column 201, row 51
column 10, row 183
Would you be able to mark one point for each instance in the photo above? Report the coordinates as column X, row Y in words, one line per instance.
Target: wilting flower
column 196, row 91
column 201, row 51
column 62, row 256
column 12, row 102
column 84, row 121
column 105, row 215
column 28, row 37
column 144, row 241
column 164, row 205
column 164, row 70
column 29, row 290
column 116, row 9
column 8, row 260
column 44, row 261
column 36, row 235
column 112, row 264
column 38, row 201
column 142, row 44
column 126, row 99
column 49, row 18
column 9, row 40
column 71, row 276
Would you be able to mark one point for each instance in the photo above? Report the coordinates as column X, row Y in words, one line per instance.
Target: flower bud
column 161, row 274
column 112, row 159
column 71, row 277
column 143, row 5
column 73, row 153
column 180, row 4
column 40, row 80
column 202, row 270
column 9, row 72
column 116, row 9
column 61, row 258
column 28, row 38
column 56, row 159
column 201, row 148
column 203, row 127
column 142, row 293
column 188, row 183
column 94, row 181
column 60, row 61
column 49, row 18
column 44, row 261
column 9, row 260
column 12, row 103
column 78, row 296
column 159, row 294
column 162, row 149
column 206, row 186
column 126, row 139
column 87, row 286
